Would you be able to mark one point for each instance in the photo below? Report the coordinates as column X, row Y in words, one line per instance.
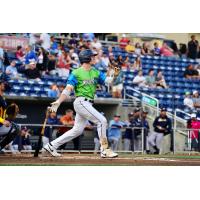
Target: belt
column 89, row 100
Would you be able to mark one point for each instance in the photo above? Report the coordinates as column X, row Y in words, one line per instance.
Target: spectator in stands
column 33, row 39
column 120, row 61
column 138, row 48
column 52, row 120
column 75, row 63
column 110, row 51
column 156, row 49
column 11, row 70
column 105, row 60
column 45, row 41
column 1, row 56
column 114, row 132
column 140, row 79
column 188, row 102
column 51, row 64
column 63, row 64
column 54, row 44
column 54, row 91
column 146, row 49
column 24, row 140
column 150, row 79
column 193, row 47
column 160, row 80
column 29, row 55
column 183, row 50
column 196, row 100
column 118, row 85
column 96, row 44
column 42, row 60
column 126, row 64
column 137, row 65
column 123, row 41
column 128, row 136
column 166, row 50
column 88, row 36
column 129, row 47
column 61, row 87
column 32, row 72
column 20, row 54
column 190, row 72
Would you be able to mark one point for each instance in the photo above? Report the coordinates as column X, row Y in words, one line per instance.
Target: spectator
column 114, row 132
column 196, row 100
column 1, row 56
column 54, row 45
column 126, row 65
column 156, row 49
column 162, row 126
column 138, row 49
column 146, row 49
column 129, row 48
column 24, row 140
column 29, row 55
column 54, row 91
column 32, row 72
column 123, row 41
column 118, row 85
column 20, row 54
column 63, row 64
column 160, row 80
column 110, row 51
column 61, row 88
column 42, row 60
column 137, row 65
column 52, row 120
column 188, row 102
column 166, row 50
column 96, row 44
column 105, row 60
column 150, row 79
column 45, row 41
column 190, row 72
column 193, row 46
column 183, row 50
column 140, row 79
column 11, row 70
column 33, row 40
column 51, row 64
column 120, row 61
column 128, row 135
column 88, row 36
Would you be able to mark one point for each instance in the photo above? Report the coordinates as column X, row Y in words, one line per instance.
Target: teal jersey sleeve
column 102, row 78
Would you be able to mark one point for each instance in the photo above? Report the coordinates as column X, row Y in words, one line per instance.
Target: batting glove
column 54, row 106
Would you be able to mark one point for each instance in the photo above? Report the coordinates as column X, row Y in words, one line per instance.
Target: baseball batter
column 83, row 81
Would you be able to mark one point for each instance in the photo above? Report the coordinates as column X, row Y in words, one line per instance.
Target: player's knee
column 103, row 121
column 77, row 130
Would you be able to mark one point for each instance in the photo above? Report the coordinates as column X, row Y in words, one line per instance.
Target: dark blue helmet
column 85, row 56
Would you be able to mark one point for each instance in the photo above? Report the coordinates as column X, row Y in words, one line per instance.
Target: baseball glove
column 12, row 111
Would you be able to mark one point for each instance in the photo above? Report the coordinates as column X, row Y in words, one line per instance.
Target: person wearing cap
column 114, row 132
column 188, row 102
column 196, row 100
column 162, row 126
column 128, row 132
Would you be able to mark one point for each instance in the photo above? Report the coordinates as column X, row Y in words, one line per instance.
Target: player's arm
column 71, row 83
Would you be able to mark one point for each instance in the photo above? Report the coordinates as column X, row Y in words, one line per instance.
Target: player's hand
column 54, row 106
column 6, row 123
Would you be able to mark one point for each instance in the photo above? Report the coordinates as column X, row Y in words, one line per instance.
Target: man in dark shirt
column 190, row 72
column 193, row 47
column 162, row 126
column 32, row 72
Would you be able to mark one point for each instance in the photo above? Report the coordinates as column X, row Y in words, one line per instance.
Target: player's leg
column 86, row 110
column 79, row 125
column 159, row 139
column 10, row 133
column 152, row 140
column 127, row 143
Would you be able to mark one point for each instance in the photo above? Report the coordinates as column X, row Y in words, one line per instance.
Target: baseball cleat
column 49, row 148
column 108, row 153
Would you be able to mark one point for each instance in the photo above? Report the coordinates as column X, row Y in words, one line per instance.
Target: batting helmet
column 85, row 55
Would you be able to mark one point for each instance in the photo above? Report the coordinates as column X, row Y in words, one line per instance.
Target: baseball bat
column 41, row 134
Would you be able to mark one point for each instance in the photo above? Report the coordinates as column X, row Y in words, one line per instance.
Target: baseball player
column 8, row 129
column 83, row 81
column 162, row 126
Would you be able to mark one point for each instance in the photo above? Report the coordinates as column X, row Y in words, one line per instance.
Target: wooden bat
column 41, row 134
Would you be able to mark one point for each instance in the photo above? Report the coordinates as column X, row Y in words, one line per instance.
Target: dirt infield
column 95, row 160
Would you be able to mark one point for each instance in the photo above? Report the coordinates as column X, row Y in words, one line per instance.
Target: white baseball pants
column 84, row 112
column 155, row 139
